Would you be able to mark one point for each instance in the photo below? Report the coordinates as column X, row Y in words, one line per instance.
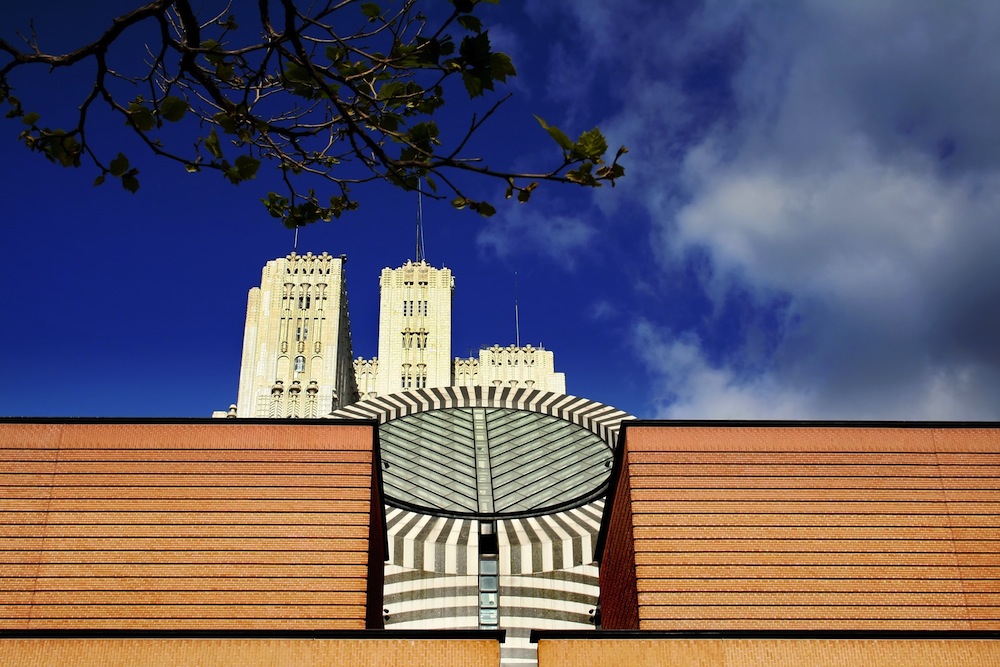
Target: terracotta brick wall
column 804, row 527
column 375, row 618
column 186, row 525
column 250, row 653
column 768, row 653
column 619, row 595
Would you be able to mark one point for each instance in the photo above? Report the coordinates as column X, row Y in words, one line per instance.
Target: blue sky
column 808, row 227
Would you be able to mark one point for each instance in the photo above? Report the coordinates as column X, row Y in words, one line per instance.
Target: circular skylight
column 490, row 462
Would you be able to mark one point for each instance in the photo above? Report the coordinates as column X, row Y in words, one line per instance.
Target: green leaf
column 501, row 66
column 590, row 146
column 335, row 53
column 389, row 122
column 611, row 172
column 173, row 108
column 247, row 166
column 446, row 46
column 99, row 180
column 275, row 204
column 583, row 175
column 423, row 135
column 212, row 144
column 31, row 118
column 73, row 150
column 483, row 208
column 141, row 117
column 560, row 137
column 225, row 71
column 192, row 168
column 371, row 10
column 470, row 23
column 421, row 139
column 130, row 182
column 460, row 202
column 119, row 165
column 225, row 122
column 56, row 145
column 297, row 73
column 390, row 90
column 476, row 50
column 474, row 84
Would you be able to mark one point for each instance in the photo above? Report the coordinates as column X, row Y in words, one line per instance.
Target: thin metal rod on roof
column 420, row 224
column 517, row 318
column 295, row 240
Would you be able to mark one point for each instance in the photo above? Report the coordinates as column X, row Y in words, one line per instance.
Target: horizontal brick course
column 250, row 653
column 845, row 518
column 193, row 485
column 806, row 482
column 165, row 454
column 862, row 470
column 343, row 578
column 190, row 518
column 767, row 653
column 188, row 526
column 805, row 527
column 207, row 571
column 193, row 531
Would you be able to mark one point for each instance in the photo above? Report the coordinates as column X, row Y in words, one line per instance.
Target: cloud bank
column 835, row 168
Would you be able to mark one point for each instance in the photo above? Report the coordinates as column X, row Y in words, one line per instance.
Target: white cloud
column 858, row 177
column 528, row 229
column 602, row 310
column 696, row 389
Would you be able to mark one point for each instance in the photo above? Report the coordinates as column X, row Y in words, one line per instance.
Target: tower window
column 407, row 308
column 422, row 307
column 300, row 364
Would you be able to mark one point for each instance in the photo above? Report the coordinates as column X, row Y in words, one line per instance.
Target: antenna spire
column 517, row 320
column 295, row 240
column 420, row 224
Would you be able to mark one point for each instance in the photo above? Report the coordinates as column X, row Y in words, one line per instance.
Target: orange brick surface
column 250, row 653
column 767, row 653
column 741, row 527
column 188, row 525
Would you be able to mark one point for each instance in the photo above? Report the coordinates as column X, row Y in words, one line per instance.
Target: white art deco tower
column 414, row 331
column 414, row 343
column 297, row 341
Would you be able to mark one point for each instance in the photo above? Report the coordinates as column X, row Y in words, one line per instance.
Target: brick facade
column 250, row 652
column 222, row 525
column 742, row 527
column 768, row 653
